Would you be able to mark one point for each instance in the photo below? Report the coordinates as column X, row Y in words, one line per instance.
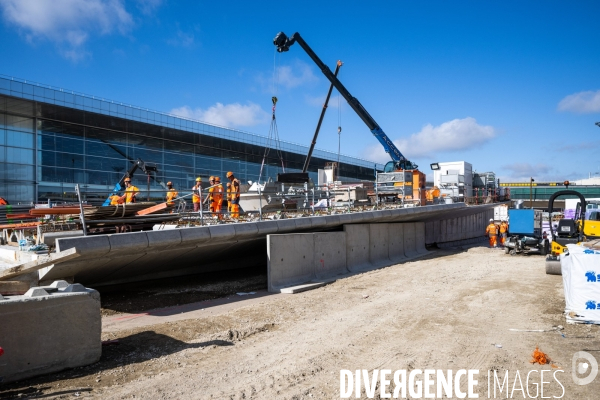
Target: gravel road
column 452, row 309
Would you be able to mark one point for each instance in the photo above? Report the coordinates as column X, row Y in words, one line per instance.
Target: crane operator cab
column 393, row 166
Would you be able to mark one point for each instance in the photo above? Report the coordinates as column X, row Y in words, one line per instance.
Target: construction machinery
column 570, row 230
column 120, row 186
column 526, row 235
column 416, row 185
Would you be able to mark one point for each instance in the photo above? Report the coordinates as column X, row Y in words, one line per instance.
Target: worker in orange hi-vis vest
column 130, row 192
column 229, row 197
column 171, row 194
column 216, row 197
column 196, row 198
column 491, row 231
column 235, row 195
column 503, row 229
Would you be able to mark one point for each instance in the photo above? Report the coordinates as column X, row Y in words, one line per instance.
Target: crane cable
column 339, row 129
column 273, row 131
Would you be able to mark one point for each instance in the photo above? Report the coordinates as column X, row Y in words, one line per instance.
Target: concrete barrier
column 378, row 245
column 330, row 254
column 420, row 238
column 396, row 242
column 49, row 329
column 357, row 247
column 290, row 260
column 410, row 245
column 304, row 259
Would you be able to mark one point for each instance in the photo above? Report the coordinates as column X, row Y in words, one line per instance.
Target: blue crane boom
column 400, row 162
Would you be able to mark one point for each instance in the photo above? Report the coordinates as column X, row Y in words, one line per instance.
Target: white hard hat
column 491, row 219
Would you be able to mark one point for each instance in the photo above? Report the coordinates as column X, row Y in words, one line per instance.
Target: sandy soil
column 450, row 310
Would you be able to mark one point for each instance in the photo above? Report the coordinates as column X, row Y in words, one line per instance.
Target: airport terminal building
column 52, row 139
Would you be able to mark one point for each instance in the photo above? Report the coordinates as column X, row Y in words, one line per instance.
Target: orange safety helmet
column 127, row 180
column 212, row 178
column 217, row 179
column 229, row 174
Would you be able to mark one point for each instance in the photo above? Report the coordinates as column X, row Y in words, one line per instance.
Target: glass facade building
column 52, row 139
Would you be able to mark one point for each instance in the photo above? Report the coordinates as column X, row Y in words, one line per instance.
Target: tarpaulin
column 580, row 268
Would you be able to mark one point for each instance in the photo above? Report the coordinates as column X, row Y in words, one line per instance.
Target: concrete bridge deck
column 128, row 257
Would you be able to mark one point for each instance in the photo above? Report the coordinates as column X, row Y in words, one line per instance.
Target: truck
column 525, row 233
column 399, row 162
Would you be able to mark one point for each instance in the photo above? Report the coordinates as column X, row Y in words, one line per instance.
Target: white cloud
column 455, row 135
column 182, row 39
column 318, row 101
column 67, row 22
column 288, row 77
column 148, row 6
column 526, row 170
column 581, row 103
column 227, row 115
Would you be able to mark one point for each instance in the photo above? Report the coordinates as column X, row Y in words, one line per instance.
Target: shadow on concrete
column 164, row 293
column 129, row 350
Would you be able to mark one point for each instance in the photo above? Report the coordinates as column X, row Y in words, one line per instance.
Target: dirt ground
column 452, row 309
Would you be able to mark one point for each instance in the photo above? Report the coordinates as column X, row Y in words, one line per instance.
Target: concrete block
column 410, row 245
column 36, row 292
column 162, row 240
column 267, row 227
column 329, row 254
column 221, row 232
column 87, row 246
column 286, row 225
column 318, row 222
column 345, row 218
column 420, row 238
column 192, row 237
column 290, row 260
column 357, row 247
column 245, row 230
column 303, row 224
column 49, row 333
column 378, row 245
column 134, row 242
column 59, row 284
column 332, row 220
column 49, row 238
column 396, row 242
column 359, row 218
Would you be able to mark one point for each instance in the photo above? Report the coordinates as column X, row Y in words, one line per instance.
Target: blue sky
column 511, row 87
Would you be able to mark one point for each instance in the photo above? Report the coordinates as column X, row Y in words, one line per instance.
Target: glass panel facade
column 73, row 138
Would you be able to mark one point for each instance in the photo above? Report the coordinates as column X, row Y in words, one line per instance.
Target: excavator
column 399, row 162
column 569, row 230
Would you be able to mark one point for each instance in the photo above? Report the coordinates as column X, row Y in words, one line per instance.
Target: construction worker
column 235, row 195
column 491, row 231
column 216, row 196
column 131, row 192
column 229, row 197
column 171, row 194
column 115, row 199
column 196, row 197
column 503, row 230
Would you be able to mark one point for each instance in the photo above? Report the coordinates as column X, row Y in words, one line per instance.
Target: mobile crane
column 399, row 162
